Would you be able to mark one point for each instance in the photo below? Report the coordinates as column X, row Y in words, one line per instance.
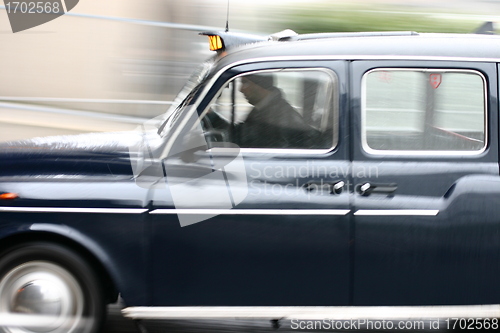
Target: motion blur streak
column 29, row 321
column 145, row 51
column 104, row 51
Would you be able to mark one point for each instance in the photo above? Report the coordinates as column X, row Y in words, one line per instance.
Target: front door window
column 279, row 110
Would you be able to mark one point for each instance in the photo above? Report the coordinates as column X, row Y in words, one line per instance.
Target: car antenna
column 227, row 17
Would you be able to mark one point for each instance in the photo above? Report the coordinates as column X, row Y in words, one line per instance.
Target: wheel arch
column 74, row 240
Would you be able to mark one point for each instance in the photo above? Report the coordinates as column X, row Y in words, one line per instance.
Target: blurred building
column 95, row 57
column 104, row 63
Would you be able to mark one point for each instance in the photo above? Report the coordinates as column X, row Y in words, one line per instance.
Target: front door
column 426, row 185
column 266, row 223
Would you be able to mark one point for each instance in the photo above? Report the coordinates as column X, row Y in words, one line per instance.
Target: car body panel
column 432, row 243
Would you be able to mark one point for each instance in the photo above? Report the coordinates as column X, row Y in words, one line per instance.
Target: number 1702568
column 39, row 7
column 472, row 323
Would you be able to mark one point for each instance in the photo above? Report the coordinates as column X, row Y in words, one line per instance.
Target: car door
column 266, row 223
column 426, row 183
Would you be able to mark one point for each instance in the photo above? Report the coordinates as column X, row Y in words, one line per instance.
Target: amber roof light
column 215, row 43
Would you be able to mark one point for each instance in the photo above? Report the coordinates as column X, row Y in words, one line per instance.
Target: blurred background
column 110, row 65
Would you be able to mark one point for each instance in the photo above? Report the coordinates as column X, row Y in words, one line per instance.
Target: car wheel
column 48, row 288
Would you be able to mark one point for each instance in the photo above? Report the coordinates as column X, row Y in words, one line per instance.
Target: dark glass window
column 289, row 109
column 424, row 110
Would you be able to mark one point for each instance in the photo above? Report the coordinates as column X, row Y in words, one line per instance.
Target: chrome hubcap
column 39, row 296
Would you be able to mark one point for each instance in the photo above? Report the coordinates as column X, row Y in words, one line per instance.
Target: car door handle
column 369, row 188
column 334, row 188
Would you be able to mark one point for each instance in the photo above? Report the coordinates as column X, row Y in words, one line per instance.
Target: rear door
column 426, row 186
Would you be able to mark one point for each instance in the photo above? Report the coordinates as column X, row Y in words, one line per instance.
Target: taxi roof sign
column 215, row 42
column 222, row 40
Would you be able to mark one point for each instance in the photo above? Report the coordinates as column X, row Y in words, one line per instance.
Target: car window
column 287, row 109
column 423, row 110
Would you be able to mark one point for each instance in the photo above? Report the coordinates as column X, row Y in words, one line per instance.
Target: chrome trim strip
column 252, row 211
column 379, row 152
column 287, row 151
column 314, row 312
column 73, row 210
column 397, row 212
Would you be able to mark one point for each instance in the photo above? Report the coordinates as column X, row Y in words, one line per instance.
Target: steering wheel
column 211, row 133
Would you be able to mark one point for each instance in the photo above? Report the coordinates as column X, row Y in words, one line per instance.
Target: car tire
column 47, row 287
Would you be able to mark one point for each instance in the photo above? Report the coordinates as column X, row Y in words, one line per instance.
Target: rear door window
column 423, row 110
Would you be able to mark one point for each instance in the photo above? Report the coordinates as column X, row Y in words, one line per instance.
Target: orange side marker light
column 8, row 196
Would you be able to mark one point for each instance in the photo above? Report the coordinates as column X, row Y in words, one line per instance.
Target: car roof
column 455, row 47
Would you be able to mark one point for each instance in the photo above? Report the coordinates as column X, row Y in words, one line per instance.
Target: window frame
column 372, row 151
column 334, row 106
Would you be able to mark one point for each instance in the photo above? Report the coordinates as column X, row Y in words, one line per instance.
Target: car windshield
column 185, row 95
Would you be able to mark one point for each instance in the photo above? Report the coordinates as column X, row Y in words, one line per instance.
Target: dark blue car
column 328, row 170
